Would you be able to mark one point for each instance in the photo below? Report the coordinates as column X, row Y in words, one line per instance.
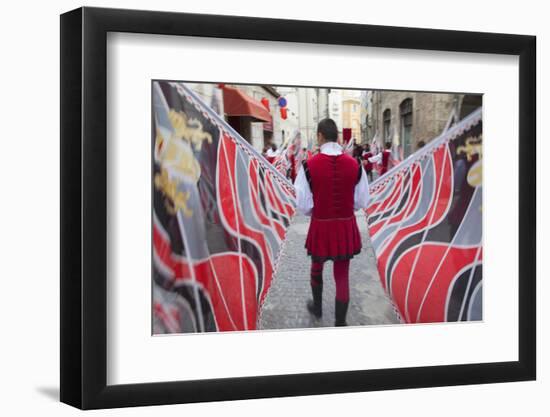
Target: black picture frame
column 84, row 207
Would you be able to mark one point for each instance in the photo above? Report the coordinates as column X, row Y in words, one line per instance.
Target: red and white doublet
column 271, row 155
column 328, row 189
column 382, row 160
column 366, row 163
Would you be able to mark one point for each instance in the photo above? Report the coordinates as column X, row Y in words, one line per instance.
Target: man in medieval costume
column 382, row 160
column 367, row 165
column 330, row 186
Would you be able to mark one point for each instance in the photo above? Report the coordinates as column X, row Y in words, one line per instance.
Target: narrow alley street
column 285, row 305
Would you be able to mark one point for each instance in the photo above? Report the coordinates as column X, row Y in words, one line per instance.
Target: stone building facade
column 258, row 133
column 406, row 118
column 210, row 93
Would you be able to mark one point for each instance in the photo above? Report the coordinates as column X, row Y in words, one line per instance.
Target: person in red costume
column 330, row 186
column 292, row 160
column 383, row 159
column 367, row 165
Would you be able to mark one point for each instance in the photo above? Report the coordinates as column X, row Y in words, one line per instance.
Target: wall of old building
column 430, row 114
column 210, row 93
column 306, row 106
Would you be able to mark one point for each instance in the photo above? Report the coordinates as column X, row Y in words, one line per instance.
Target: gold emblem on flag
column 472, row 146
column 175, row 199
column 177, row 161
column 188, row 129
column 474, row 176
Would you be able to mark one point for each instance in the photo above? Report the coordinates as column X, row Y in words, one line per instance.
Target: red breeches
column 341, row 277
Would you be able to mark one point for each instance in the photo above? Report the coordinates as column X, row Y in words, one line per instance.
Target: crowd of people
column 374, row 163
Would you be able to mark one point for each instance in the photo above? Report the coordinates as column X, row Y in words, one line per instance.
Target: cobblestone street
column 285, row 305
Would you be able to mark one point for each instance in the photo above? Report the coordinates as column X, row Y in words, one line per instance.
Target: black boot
column 341, row 309
column 315, row 306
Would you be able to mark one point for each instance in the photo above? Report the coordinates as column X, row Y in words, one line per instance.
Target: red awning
column 237, row 103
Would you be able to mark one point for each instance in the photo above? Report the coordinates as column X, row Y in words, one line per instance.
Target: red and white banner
column 220, row 215
column 425, row 222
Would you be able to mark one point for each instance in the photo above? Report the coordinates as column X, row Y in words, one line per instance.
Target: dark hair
column 387, row 145
column 367, row 147
column 420, row 144
column 327, row 127
column 273, row 147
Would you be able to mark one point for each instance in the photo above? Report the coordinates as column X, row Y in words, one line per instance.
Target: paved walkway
column 285, row 305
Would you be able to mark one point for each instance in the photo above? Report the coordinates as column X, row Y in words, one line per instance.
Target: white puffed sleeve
column 376, row 159
column 304, row 197
column 361, row 195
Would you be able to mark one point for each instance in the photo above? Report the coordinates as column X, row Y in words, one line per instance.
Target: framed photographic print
column 256, row 208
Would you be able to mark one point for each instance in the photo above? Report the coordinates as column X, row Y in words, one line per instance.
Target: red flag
column 346, row 134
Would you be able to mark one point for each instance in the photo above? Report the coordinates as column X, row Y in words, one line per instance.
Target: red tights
column 341, row 277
